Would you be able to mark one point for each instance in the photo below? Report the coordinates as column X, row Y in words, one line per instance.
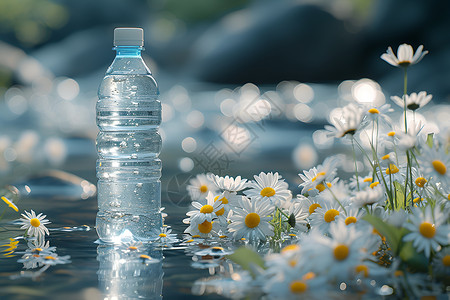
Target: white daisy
column 373, row 194
column 413, row 101
column 35, row 225
column 324, row 216
column 199, row 187
column 54, row 259
column 435, row 163
column 229, row 184
column 378, row 112
column 405, row 56
column 441, row 262
column 268, row 187
column 428, row 229
column 202, row 213
column 323, row 173
column 353, row 215
column 362, row 182
column 298, row 216
column 202, row 230
column 346, row 120
column 309, row 204
column 251, row 220
column 301, row 284
column 336, row 255
column 164, row 236
column 409, row 139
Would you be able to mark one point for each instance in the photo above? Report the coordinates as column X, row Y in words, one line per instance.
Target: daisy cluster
column 384, row 231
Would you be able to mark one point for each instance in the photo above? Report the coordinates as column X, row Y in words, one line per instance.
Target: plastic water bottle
column 128, row 144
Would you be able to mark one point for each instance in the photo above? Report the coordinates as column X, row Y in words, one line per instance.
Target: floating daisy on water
column 405, row 56
column 413, row 101
column 251, row 221
column 202, row 213
column 35, row 225
column 428, row 229
column 164, row 236
column 268, row 187
column 54, row 259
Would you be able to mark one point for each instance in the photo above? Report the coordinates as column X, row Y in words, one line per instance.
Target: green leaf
column 245, row 257
column 416, row 261
column 430, row 140
column 392, row 234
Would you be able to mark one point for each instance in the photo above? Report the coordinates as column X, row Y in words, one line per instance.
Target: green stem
column 405, row 90
column 356, row 165
column 335, row 198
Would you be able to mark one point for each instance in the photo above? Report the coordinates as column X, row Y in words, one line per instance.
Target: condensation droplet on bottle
column 135, row 218
column 134, row 156
column 139, row 185
column 123, row 144
column 114, row 203
column 137, row 145
column 135, row 172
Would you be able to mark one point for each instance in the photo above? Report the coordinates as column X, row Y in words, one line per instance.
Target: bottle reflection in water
column 123, row 274
column 128, row 144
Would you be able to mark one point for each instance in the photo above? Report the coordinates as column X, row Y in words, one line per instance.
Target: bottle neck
column 128, row 51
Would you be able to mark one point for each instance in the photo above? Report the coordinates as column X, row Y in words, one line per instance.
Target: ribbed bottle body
column 128, row 146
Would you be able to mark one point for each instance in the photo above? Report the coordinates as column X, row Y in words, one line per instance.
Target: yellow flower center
column 292, row 247
column 143, row 256
column 298, row 287
column 203, row 189
column 223, row 199
column 267, row 192
column 392, row 169
column 313, row 207
column 35, row 222
column 341, row 252
column 420, row 182
column 292, row 262
column 189, row 241
column 362, row 269
column 252, row 220
column 37, row 250
column 196, row 236
column 387, row 156
column 427, row 230
column 50, row 257
column 350, row 220
column 221, row 211
column 398, row 273
column 368, row 179
column 391, row 134
column 446, row 260
column 206, row 209
column 439, row 167
column 330, row 215
column 309, row 275
column 205, row 227
column 318, row 174
column 320, row 187
column 162, row 235
column 374, row 184
column 417, row 200
column 132, row 248
column 374, row 111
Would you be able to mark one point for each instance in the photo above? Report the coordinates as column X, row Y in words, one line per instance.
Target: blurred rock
column 275, row 42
